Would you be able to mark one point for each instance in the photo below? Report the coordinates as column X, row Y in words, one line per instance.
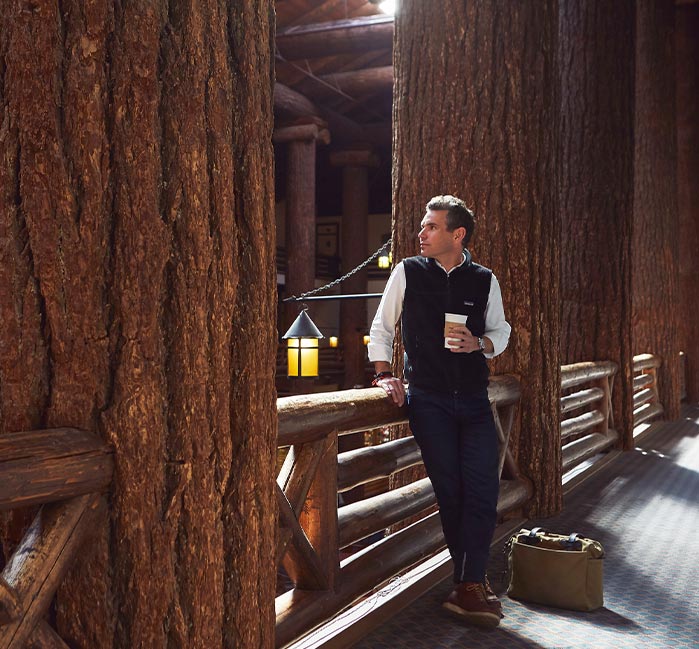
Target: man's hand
column 395, row 390
column 462, row 341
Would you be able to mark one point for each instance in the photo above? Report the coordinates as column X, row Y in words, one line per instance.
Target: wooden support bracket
column 39, row 564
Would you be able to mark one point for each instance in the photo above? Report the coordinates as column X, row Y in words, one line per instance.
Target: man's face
column 435, row 239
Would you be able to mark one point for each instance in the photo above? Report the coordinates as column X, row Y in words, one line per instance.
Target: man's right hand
column 395, row 390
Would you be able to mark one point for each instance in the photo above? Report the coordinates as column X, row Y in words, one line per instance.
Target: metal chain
column 343, row 278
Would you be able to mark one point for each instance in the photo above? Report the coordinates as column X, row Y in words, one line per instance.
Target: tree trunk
column 473, row 111
column 138, row 299
column 687, row 57
column 596, row 69
column 655, row 262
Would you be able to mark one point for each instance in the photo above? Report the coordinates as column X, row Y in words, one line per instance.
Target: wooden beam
column 351, row 36
column 290, row 103
column 42, row 466
column 295, row 480
column 301, row 561
column 577, row 373
column 363, row 465
column 44, row 637
column 358, row 520
column 322, row 10
column 580, row 399
column 305, row 417
column 298, row 132
column 10, row 608
column 581, row 423
column 581, row 449
column 354, row 83
column 42, row 559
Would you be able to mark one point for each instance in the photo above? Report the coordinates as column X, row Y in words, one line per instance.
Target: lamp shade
column 303, row 327
column 302, row 347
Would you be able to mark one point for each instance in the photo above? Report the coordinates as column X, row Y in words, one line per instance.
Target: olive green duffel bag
column 556, row 570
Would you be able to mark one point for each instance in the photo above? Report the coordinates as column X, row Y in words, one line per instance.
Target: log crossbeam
column 300, row 560
column 64, row 470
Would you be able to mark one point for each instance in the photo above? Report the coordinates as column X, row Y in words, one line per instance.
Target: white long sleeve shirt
column 383, row 327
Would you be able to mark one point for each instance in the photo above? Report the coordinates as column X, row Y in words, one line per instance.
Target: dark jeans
column 456, row 434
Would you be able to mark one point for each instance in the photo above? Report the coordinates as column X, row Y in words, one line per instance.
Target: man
column 448, row 407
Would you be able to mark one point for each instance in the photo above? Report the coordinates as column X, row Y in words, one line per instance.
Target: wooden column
column 138, row 299
column 300, row 208
column 596, row 77
column 687, row 58
column 483, row 128
column 655, row 261
column 355, row 213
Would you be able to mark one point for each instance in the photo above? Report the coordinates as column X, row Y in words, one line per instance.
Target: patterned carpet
column 644, row 508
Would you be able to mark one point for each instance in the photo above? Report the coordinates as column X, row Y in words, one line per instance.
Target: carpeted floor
column 644, row 508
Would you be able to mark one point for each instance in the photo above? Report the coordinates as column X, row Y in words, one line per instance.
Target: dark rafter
column 337, row 37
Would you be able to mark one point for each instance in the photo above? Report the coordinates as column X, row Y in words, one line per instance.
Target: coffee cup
column 452, row 320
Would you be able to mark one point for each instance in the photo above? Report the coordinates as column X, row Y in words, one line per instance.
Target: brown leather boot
column 491, row 596
column 470, row 602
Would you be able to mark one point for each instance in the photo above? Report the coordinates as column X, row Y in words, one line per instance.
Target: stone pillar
column 355, row 212
column 300, row 208
column 687, row 60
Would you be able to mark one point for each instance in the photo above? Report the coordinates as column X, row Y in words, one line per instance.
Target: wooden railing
column 312, row 528
column 646, row 402
column 64, row 471
column 587, row 425
column 683, row 376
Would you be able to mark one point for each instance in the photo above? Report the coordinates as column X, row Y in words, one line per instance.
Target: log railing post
column 605, row 405
column 319, row 515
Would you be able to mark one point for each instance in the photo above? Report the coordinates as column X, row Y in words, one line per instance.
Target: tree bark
column 473, row 112
column 655, row 262
column 687, row 57
column 596, row 69
column 138, row 296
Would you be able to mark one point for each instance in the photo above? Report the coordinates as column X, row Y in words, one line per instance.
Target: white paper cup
column 451, row 319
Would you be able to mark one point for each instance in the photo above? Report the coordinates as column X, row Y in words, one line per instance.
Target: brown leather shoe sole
column 477, row 618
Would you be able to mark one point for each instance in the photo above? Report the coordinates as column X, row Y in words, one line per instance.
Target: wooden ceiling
column 334, row 62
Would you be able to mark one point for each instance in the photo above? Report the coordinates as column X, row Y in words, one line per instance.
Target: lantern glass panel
column 302, row 357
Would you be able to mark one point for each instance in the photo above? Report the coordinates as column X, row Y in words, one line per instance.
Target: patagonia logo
column 467, row 303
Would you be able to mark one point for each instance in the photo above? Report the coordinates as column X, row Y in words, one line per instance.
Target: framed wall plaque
column 327, row 239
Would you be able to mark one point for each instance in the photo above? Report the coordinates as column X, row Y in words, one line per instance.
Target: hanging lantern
column 302, row 347
column 385, row 259
column 384, row 262
column 333, row 341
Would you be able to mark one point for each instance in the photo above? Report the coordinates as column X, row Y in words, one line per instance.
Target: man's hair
column 458, row 214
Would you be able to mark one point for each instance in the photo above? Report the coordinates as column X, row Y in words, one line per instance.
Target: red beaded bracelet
column 381, row 375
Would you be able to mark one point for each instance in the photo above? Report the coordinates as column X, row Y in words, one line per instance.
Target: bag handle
column 573, row 540
column 537, row 530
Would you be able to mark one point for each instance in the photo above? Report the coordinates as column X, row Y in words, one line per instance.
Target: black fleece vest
column 429, row 294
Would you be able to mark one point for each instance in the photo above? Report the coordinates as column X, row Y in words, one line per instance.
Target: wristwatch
column 481, row 344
